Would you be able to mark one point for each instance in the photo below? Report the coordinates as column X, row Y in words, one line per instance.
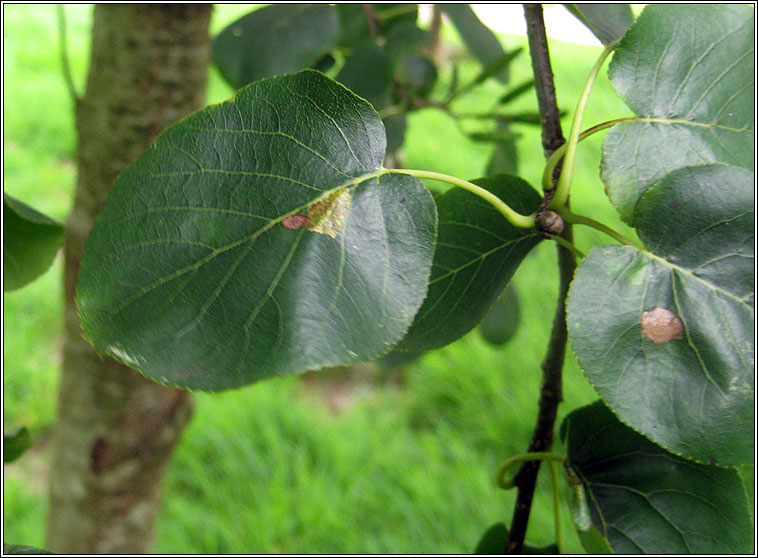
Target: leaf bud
column 549, row 224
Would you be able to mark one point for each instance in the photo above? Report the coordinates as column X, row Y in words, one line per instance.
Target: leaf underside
column 259, row 237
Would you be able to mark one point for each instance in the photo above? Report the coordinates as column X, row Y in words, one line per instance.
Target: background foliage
column 343, row 464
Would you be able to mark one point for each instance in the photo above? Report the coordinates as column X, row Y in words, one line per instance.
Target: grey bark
column 116, row 429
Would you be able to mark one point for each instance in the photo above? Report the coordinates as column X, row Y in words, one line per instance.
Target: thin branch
column 552, row 135
column 371, row 21
column 551, row 393
column 64, row 56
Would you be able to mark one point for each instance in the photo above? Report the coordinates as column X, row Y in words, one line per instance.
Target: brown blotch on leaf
column 294, row 222
column 661, row 325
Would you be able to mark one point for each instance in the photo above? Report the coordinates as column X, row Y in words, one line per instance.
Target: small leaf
column 15, row 443
column 690, row 390
column 495, row 539
column 367, row 72
column 193, row 276
column 477, row 252
column 687, row 72
column 416, row 74
column 497, row 66
column 502, row 320
column 30, row 242
column 608, row 22
column 516, row 91
column 275, row 40
column 477, row 37
column 498, row 136
column 643, row 499
column 505, row 155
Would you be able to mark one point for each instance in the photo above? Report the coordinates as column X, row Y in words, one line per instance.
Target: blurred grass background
column 296, row 466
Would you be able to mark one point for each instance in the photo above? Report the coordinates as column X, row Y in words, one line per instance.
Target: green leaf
column 275, row 40
column 21, row 549
column 477, row 252
column 495, row 539
column 352, row 23
column 666, row 334
column 392, row 15
column 416, row 74
column 687, row 71
column 608, row 22
column 516, row 91
column 30, row 243
column 477, row 37
column 504, row 157
column 15, row 443
column 643, row 499
column 395, row 127
column 367, row 72
column 501, row 322
column 405, row 38
column 259, row 237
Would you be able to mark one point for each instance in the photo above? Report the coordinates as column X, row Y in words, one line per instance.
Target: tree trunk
column 116, row 429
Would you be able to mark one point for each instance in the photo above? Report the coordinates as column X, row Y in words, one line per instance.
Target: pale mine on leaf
column 661, row 325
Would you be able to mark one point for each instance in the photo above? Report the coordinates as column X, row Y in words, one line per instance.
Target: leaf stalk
column 564, row 182
column 513, row 217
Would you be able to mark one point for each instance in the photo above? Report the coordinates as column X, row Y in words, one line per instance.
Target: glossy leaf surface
column 687, row 71
column 274, row 40
column 643, row 499
column 608, row 22
column 259, row 237
column 477, row 253
column 666, row 334
column 30, row 242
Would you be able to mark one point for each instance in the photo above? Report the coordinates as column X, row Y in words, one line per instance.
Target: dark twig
column 63, row 43
column 371, row 21
column 552, row 366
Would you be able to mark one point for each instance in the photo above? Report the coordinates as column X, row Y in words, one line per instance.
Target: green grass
column 271, row 468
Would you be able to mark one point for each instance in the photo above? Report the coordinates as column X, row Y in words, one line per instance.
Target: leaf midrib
column 252, row 237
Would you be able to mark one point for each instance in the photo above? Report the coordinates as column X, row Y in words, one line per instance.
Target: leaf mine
column 329, row 216
column 661, row 325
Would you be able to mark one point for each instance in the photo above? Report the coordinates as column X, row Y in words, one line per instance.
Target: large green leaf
column 30, row 243
column 259, row 237
column 643, row 499
column 477, row 37
column 477, row 253
column 687, row 72
column 666, row 334
column 275, row 39
column 608, row 22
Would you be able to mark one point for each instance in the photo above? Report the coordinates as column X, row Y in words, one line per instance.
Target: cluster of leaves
column 31, row 241
column 263, row 236
column 379, row 52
